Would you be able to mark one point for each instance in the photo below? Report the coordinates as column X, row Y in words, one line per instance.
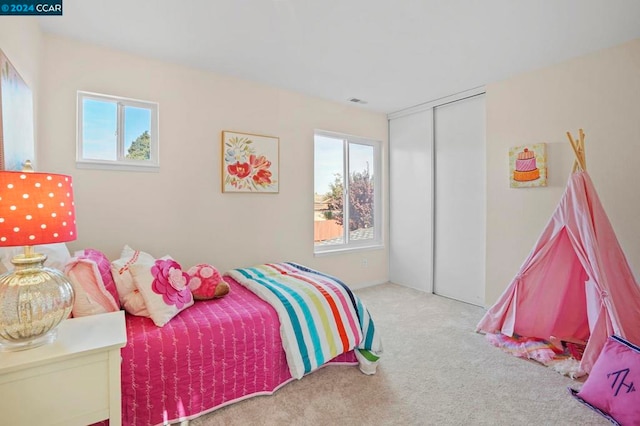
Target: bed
column 220, row 351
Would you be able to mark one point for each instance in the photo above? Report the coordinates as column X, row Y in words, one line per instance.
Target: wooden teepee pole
column 578, row 149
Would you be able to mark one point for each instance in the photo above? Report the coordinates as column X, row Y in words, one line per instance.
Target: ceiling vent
column 357, row 101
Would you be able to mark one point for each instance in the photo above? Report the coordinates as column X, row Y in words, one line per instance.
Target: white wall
column 600, row 93
column 180, row 210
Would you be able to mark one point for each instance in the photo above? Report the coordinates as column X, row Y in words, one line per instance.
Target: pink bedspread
column 210, row 355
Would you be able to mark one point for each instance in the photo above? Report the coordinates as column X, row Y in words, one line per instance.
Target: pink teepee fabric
column 576, row 282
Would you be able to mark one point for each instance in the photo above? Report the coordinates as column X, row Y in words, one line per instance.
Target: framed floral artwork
column 528, row 166
column 249, row 163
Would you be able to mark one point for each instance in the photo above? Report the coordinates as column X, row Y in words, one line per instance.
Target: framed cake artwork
column 528, row 166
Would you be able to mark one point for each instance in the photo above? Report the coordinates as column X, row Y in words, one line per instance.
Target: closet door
column 410, row 200
column 460, row 205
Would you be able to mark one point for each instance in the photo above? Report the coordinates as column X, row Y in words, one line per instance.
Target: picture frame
column 528, row 166
column 17, row 143
column 250, row 163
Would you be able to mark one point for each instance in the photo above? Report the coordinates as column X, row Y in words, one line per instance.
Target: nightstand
column 72, row 381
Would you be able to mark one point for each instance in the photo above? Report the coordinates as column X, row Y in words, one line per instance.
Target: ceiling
column 391, row 54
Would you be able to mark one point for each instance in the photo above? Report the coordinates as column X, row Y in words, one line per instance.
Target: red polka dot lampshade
column 36, row 208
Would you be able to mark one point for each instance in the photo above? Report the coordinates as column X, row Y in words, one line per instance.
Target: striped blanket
column 320, row 317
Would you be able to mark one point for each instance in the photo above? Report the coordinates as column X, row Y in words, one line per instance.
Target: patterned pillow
column 163, row 285
column 90, row 275
column 610, row 388
column 130, row 297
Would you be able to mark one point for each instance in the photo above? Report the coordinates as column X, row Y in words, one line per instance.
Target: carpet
column 435, row 370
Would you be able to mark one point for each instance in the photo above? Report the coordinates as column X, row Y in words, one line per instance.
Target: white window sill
column 346, row 249
column 126, row 167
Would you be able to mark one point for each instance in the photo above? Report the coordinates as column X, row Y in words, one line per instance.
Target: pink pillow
column 95, row 291
column 611, row 386
column 203, row 280
column 104, row 266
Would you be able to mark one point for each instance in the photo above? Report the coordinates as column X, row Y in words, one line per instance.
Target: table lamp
column 35, row 208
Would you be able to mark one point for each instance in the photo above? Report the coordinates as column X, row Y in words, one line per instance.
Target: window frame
column 121, row 163
column 377, row 241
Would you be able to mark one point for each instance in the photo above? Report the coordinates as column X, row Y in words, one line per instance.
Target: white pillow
column 163, row 284
column 130, row 298
column 164, row 287
column 57, row 256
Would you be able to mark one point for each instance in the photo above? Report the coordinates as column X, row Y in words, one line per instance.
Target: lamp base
column 7, row 346
column 34, row 299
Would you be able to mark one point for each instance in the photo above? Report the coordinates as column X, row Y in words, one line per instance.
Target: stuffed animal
column 206, row 282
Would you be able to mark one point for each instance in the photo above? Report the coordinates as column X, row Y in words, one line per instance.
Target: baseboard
column 366, row 284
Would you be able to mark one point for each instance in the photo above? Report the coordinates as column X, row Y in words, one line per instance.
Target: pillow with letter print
column 613, row 386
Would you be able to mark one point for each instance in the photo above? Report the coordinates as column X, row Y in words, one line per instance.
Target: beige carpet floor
column 435, row 370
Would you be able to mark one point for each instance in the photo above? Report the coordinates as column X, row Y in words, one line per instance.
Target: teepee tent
column 576, row 283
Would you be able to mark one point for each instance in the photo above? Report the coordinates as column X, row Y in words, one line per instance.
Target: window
column 336, row 157
column 117, row 133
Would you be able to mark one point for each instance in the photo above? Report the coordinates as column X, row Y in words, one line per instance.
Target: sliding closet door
column 410, row 200
column 460, row 205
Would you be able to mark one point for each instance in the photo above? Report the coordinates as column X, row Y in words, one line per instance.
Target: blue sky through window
column 329, row 160
column 99, row 127
column 360, row 158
